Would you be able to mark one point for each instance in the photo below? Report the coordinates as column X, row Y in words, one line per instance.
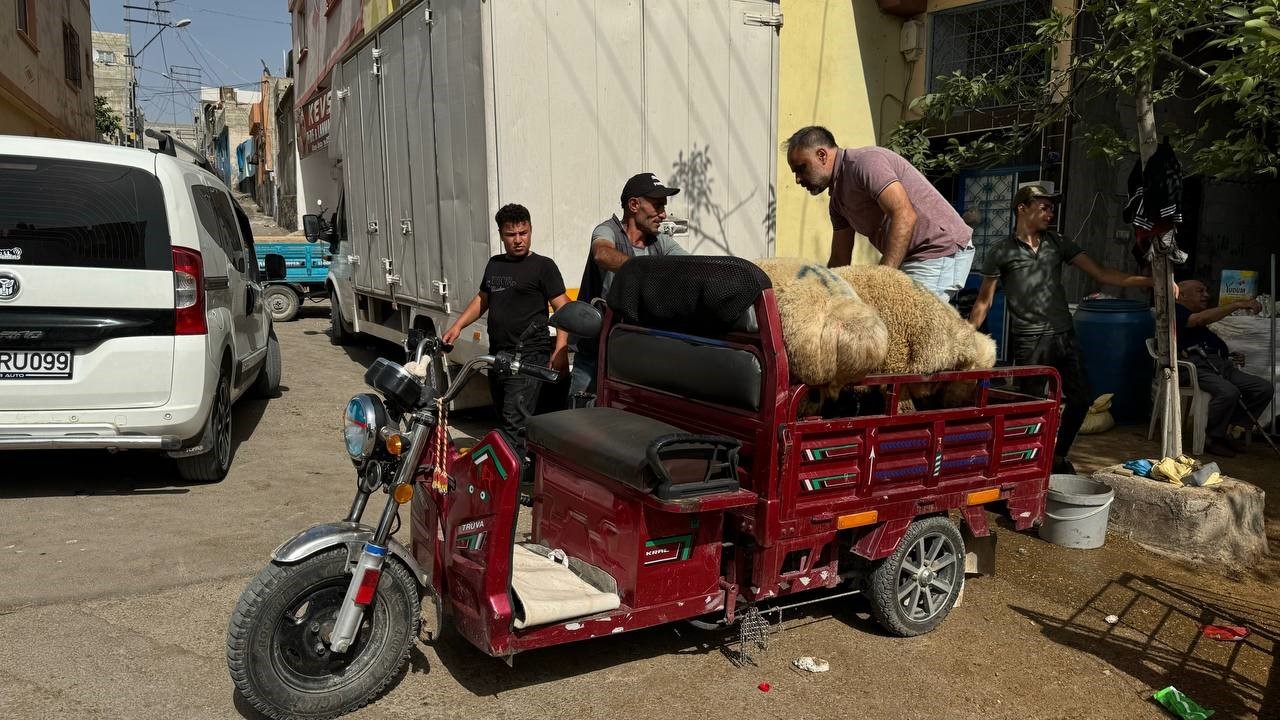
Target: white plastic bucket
column 1076, row 512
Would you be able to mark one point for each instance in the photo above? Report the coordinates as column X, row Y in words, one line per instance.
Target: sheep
column 926, row 335
column 832, row 337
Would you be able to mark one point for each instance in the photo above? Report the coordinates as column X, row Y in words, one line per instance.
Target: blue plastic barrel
column 994, row 325
column 1113, row 336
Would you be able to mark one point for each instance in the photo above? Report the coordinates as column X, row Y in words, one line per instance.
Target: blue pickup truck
column 306, row 266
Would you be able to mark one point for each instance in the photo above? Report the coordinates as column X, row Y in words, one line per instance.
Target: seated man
column 1232, row 391
column 613, row 242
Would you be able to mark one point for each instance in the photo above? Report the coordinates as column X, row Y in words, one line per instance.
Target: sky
column 225, row 44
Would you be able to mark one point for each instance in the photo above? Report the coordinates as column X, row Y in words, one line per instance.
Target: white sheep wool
column 840, row 325
column 832, row 337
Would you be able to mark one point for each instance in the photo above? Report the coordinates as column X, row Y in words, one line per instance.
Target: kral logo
column 661, row 554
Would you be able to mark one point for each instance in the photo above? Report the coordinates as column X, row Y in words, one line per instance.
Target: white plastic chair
column 1197, row 414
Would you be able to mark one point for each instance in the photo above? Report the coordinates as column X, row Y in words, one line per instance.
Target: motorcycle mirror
column 578, row 318
column 274, row 266
column 312, row 227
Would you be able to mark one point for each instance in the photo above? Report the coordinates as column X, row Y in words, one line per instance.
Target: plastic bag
column 1099, row 418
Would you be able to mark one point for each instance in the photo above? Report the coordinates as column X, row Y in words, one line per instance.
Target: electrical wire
column 234, row 15
column 164, row 56
column 1082, row 223
column 212, row 75
column 210, row 53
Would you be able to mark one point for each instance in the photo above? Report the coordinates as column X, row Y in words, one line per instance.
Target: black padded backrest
column 686, row 365
column 697, row 294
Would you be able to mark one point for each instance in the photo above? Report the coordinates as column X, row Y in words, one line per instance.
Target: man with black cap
column 613, row 243
column 1029, row 263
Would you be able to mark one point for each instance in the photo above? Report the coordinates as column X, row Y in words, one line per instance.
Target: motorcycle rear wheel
column 276, row 648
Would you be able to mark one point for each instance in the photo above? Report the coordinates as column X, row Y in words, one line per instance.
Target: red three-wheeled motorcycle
column 698, row 487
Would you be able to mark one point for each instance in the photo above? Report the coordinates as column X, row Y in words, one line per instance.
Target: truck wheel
column 339, row 333
column 277, row 640
column 282, row 302
column 912, row 590
column 213, row 464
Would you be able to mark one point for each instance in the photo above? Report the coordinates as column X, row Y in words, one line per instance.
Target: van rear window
column 71, row 213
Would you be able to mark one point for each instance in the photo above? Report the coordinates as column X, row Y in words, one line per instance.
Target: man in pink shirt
column 877, row 193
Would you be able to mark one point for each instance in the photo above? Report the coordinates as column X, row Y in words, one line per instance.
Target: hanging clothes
column 1155, row 204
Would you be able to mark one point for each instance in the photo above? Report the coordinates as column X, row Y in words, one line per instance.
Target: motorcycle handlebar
column 503, row 362
column 470, row 368
column 537, row 372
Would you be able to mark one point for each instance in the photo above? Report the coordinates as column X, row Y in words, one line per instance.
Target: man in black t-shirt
column 516, row 289
column 1216, row 369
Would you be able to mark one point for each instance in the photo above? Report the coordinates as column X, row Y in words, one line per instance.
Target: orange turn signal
column 403, row 492
column 982, row 496
column 395, row 443
column 844, row 522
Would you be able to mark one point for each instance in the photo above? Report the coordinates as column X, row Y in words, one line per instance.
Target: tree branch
column 1184, row 64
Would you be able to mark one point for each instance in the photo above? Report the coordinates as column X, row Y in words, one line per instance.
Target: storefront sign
column 314, row 125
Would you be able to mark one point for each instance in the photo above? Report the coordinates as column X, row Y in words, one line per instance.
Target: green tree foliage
column 1220, row 59
column 107, row 121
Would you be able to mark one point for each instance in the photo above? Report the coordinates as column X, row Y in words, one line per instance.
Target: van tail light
column 188, row 293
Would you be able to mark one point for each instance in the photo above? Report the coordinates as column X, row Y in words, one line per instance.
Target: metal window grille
column 975, row 39
column 986, row 197
column 71, row 54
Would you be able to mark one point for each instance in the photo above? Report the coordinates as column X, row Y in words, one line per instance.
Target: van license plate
column 35, row 364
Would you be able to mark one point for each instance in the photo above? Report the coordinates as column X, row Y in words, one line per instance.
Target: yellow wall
column 375, row 11
column 839, row 66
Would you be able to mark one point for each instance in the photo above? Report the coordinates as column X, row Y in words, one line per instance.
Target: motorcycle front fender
column 353, row 535
column 323, row 536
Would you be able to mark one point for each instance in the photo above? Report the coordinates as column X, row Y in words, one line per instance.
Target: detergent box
column 1237, row 285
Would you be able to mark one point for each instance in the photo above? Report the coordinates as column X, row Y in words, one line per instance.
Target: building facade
column 264, row 133
column 322, row 31
column 46, row 69
column 224, row 125
column 286, row 175
column 114, row 81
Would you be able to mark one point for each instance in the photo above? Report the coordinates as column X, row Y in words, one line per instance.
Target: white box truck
column 451, row 108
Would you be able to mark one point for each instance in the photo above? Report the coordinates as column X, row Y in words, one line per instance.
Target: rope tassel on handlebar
column 440, row 448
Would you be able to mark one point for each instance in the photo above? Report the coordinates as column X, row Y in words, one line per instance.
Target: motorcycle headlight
column 363, row 420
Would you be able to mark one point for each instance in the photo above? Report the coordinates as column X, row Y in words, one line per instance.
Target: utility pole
column 161, row 20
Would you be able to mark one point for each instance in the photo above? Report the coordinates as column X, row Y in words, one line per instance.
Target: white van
column 131, row 313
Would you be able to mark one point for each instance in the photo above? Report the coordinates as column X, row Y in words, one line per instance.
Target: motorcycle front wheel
column 277, row 641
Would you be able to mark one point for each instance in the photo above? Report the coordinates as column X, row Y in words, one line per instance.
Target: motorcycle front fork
column 368, row 567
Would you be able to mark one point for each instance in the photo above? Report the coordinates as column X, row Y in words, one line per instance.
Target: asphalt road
column 118, row 581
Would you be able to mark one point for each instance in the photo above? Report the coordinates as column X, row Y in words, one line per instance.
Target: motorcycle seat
column 640, row 452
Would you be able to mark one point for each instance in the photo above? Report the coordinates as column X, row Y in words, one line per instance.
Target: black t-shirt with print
column 519, row 289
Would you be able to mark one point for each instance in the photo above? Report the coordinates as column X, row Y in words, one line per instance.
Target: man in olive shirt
column 1042, row 333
